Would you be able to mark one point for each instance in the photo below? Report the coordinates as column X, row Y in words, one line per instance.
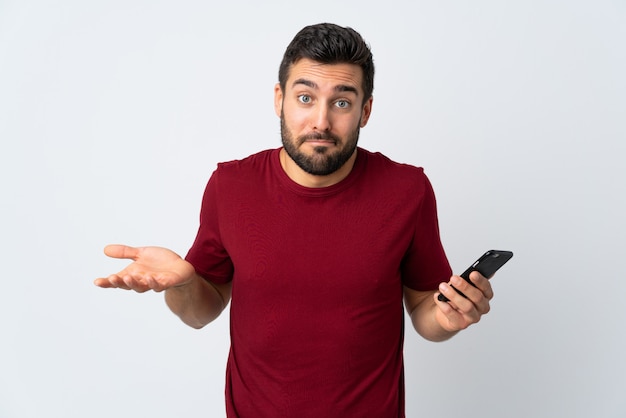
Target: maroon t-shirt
column 317, row 320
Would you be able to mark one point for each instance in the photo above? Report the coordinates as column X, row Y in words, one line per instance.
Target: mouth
column 319, row 139
column 319, row 142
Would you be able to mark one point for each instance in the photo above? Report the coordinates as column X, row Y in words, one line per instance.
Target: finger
column 450, row 293
column 445, row 306
column 121, row 251
column 102, row 282
column 449, row 317
column 138, row 284
column 454, row 296
column 482, row 283
column 156, row 285
column 461, row 284
column 126, row 282
column 478, row 292
column 470, row 304
column 468, row 309
column 111, row 282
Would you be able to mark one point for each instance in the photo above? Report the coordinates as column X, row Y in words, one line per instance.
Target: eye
column 304, row 98
column 342, row 104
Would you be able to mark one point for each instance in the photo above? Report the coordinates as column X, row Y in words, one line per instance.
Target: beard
column 323, row 161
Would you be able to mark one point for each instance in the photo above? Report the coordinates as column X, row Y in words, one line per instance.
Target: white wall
column 113, row 115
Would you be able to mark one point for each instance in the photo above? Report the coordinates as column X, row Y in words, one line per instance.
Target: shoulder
column 258, row 161
column 381, row 168
column 248, row 169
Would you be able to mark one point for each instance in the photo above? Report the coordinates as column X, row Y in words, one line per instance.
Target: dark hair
column 329, row 44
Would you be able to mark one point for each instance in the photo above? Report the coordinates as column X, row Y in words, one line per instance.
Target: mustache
column 326, row 136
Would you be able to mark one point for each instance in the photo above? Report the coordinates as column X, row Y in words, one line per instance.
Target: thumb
column 121, row 251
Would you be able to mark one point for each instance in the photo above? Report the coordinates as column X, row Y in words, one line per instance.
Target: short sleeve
column 207, row 254
column 425, row 264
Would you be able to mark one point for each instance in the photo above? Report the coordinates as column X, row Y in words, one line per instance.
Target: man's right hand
column 153, row 268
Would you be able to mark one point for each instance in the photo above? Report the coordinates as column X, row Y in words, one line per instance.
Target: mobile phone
column 487, row 265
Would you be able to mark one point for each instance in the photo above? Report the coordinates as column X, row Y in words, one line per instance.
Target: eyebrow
column 339, row 88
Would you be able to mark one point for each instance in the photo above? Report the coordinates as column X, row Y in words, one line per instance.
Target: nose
column 321, row 119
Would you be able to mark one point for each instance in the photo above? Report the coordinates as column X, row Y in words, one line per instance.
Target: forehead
column 326, row 75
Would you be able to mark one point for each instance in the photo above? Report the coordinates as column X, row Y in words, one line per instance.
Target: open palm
column 153, row 268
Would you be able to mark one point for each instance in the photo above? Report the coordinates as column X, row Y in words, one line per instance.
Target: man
column 318, row 242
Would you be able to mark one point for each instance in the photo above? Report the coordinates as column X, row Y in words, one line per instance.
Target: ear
column 278, row 99
column 366, row 112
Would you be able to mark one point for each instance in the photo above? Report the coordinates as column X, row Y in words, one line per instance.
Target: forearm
column 198, row 302
column 424, row 320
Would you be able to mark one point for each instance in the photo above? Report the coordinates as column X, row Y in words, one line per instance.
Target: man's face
column 321, row 112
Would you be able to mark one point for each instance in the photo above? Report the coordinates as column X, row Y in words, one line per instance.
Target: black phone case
column 487, row 265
